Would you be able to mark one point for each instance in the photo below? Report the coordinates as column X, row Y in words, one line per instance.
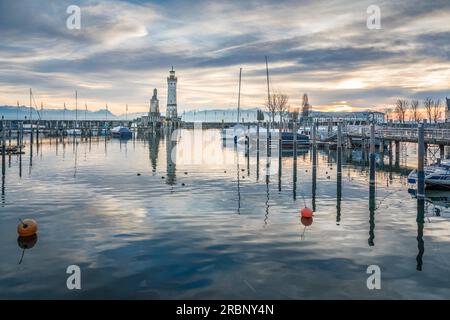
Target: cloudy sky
column 124, row 49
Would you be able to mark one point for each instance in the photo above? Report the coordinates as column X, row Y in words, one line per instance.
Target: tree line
column 414, row 110
column 278, row 104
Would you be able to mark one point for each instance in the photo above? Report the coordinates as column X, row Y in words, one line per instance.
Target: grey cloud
column 184, row 35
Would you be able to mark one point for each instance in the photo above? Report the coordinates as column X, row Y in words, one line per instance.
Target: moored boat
column 121, row 132
column 436, row 175
column 74, row 132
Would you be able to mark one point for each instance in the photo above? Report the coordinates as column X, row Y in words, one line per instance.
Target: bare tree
column 428, row 104
column 278, row 104
column 281, row 104
column 294, row 113
column 271, row 108
column 388, row 113
column 400, row 109
column 415, row 114
column 437, row 110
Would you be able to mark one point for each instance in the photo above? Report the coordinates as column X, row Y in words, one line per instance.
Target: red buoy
column 306, row 212
column 307, row 221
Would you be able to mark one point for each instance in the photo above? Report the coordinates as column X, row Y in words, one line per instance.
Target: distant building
column 306, row 109
column 356, row 116
column 447, row 110
column 171, row 113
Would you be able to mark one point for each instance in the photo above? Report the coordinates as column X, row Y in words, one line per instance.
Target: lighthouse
column 154, row 103
column 153, row 113
column 153, row 120
column 171, row 113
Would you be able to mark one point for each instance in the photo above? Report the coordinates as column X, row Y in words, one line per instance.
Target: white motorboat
column 437, row 175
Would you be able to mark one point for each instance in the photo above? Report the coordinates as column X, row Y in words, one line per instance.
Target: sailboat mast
column 31, row 113
column 76, row 109
column 239, row 96
column 268, row 87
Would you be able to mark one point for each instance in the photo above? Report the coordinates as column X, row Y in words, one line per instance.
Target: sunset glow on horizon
column 124, row 49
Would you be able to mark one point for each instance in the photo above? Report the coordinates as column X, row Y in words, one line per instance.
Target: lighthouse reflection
column 171, row 144
column 154, row 141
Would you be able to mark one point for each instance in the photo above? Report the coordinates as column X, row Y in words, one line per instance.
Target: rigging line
column 380, row 202
column 35, row 107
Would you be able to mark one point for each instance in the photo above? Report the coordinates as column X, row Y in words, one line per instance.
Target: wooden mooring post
column 372, row 154
column 421, row 163
column 339, row 136
column 3, row 146
column 9, row 133
column 268, row 155
column 397, row 153
column 339, row 152
column 257, row 149
column 18, row 135
column 314, row 171
column 294, row 165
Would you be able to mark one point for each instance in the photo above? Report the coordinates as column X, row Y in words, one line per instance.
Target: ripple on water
column 218, row 236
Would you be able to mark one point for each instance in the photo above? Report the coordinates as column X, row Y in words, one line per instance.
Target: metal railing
column 402, row 133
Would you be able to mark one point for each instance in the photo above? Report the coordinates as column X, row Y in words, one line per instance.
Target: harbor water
column 161, row 217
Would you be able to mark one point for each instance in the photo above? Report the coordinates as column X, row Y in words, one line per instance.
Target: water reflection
column 31, row 151
column 339, row 187
column 294, row 178
column 137, row 239
column 75, row 151
column 26, row 243
column 171, row 153
column 436, row 202
column 267, row 206
column 314, row 177
column 3, row 191
column 280, row 167
column 372, row 209
column 238, row 173
column 257, row 153
column 153, row 146
column 20, row 163
column 420, row 222
column 306, row 222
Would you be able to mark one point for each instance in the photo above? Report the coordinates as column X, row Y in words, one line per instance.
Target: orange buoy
column 307, row 221
column 27, row 228
column 306, row 212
